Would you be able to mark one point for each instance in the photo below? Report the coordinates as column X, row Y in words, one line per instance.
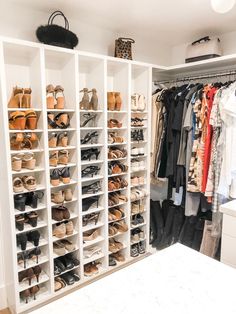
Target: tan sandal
column 16, row 162
column 16, row 98
column 62, row 139
column 57, row 197
column 63, row 157
column 121, row 226
column 29, row 183
column 31, row 119
column 53, row 159
column 59, row 231
column 17, row 120
column 118, row 101
column 59, row 96
column 18, row 185
column 113, row 123
column 28, row 161
column 50, row 97
column 112, row 231
column 111, row 101
column 89, row 236
column 26, row 100
column 52, row 141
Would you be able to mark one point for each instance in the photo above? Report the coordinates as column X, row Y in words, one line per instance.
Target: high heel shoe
column 88, row 219
column 26, row 275
column 88, row 202
column 16, row 98
column 65, row 175
column 50, row 97
column 37, row 271
column 31, row 218
column 34, row 236
column 88, row 153
column 90, row 170
column 62, row 139
column 17, row 120
column 63, row 157
column 91, row 188
column 90, row 137
column 21, row 240
column 88, row 117
column 118, row 101
column 53, row 159
column 111, row 101
column 31, row 119
column 26, row 100
column 59, row 96
column 52, row 141
column 84, row 103
column 55, row 177
column 93, row 104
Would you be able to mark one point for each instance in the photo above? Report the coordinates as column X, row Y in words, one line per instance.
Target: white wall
column 21, row 22
column 228, row 42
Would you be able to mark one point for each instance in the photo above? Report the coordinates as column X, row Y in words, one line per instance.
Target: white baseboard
column 3, row 298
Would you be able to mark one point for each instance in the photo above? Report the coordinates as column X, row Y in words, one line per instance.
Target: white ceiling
column 170, row 21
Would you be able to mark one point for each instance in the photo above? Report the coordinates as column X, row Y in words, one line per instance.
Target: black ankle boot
column 33, row 236
column 21, row 240
column 20, row 202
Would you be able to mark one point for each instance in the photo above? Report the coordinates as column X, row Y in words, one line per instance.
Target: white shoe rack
column 27, row 64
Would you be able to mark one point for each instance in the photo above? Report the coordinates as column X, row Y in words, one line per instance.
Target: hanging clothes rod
column 191, row 78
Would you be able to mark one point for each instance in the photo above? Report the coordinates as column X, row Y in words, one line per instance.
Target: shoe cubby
column 75, row 150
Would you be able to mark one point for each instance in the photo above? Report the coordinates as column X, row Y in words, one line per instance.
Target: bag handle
column 58, row 13
column 206, row 38
column 127, row 39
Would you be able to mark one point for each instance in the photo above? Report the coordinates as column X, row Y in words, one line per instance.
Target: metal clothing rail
column 192, row 78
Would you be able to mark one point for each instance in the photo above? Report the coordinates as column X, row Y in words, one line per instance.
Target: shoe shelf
column 92, row 210
column 38, row 66
column 92, row 242
column 26, row 131
column 61, row 110
column 118, row 190
column 93, row 226
column 61, row 130
column 74, row 199
column 38, row 188
column 70, row 164
column 61, row 184
column 67, row 270
column 136, row 242
column 89, row 162
column 117, row 174
column 91, row 145
column 117, row 159
column 137, row 226
column 116, row 111
column 92, row 194
column 93, row 258
column 119, row 204
column 69, row 147
column 30, row 263
column 43, row 277
column 30, row 246
column 72, row 216
column 28, row 227
column 23, row 170
column 25, row 151
column 55, row 239
column 91, row 111
column 96, row 177
column 29, row 209
column 116, row 220
column 24, row 109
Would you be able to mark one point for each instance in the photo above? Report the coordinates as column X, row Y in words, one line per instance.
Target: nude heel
column 118, row 101
column 26, row 99
column 50, row 96
column 16, row 98
column 59, row 96
column 111, row 101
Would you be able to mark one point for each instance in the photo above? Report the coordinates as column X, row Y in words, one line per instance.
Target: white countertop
column 177, row 280
column 229, row 208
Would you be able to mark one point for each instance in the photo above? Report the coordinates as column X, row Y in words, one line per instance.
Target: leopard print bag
column 123, row 48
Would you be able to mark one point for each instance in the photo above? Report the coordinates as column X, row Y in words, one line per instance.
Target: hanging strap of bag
column 58, row 13
column 126, row 39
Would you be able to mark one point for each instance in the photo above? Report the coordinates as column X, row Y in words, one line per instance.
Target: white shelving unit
column 25, row 64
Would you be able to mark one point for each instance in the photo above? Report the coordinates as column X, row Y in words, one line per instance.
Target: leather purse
column 56, row 35
column 202, row 49
column 123, row 48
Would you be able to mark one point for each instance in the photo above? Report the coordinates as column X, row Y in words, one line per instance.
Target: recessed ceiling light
column 222, row 6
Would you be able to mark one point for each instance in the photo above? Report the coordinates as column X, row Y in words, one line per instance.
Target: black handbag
column 123, row 48
column 56, row 35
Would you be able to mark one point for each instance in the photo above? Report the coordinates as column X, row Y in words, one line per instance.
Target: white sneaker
column 134, row 102
column 134, row 151
column 134, row 165
column 141, row 151
column 141, row 103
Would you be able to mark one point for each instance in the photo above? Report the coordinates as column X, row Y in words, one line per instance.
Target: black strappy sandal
column 89, row 137
column 90, row 170
column 91, row 188
column 88, row 117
